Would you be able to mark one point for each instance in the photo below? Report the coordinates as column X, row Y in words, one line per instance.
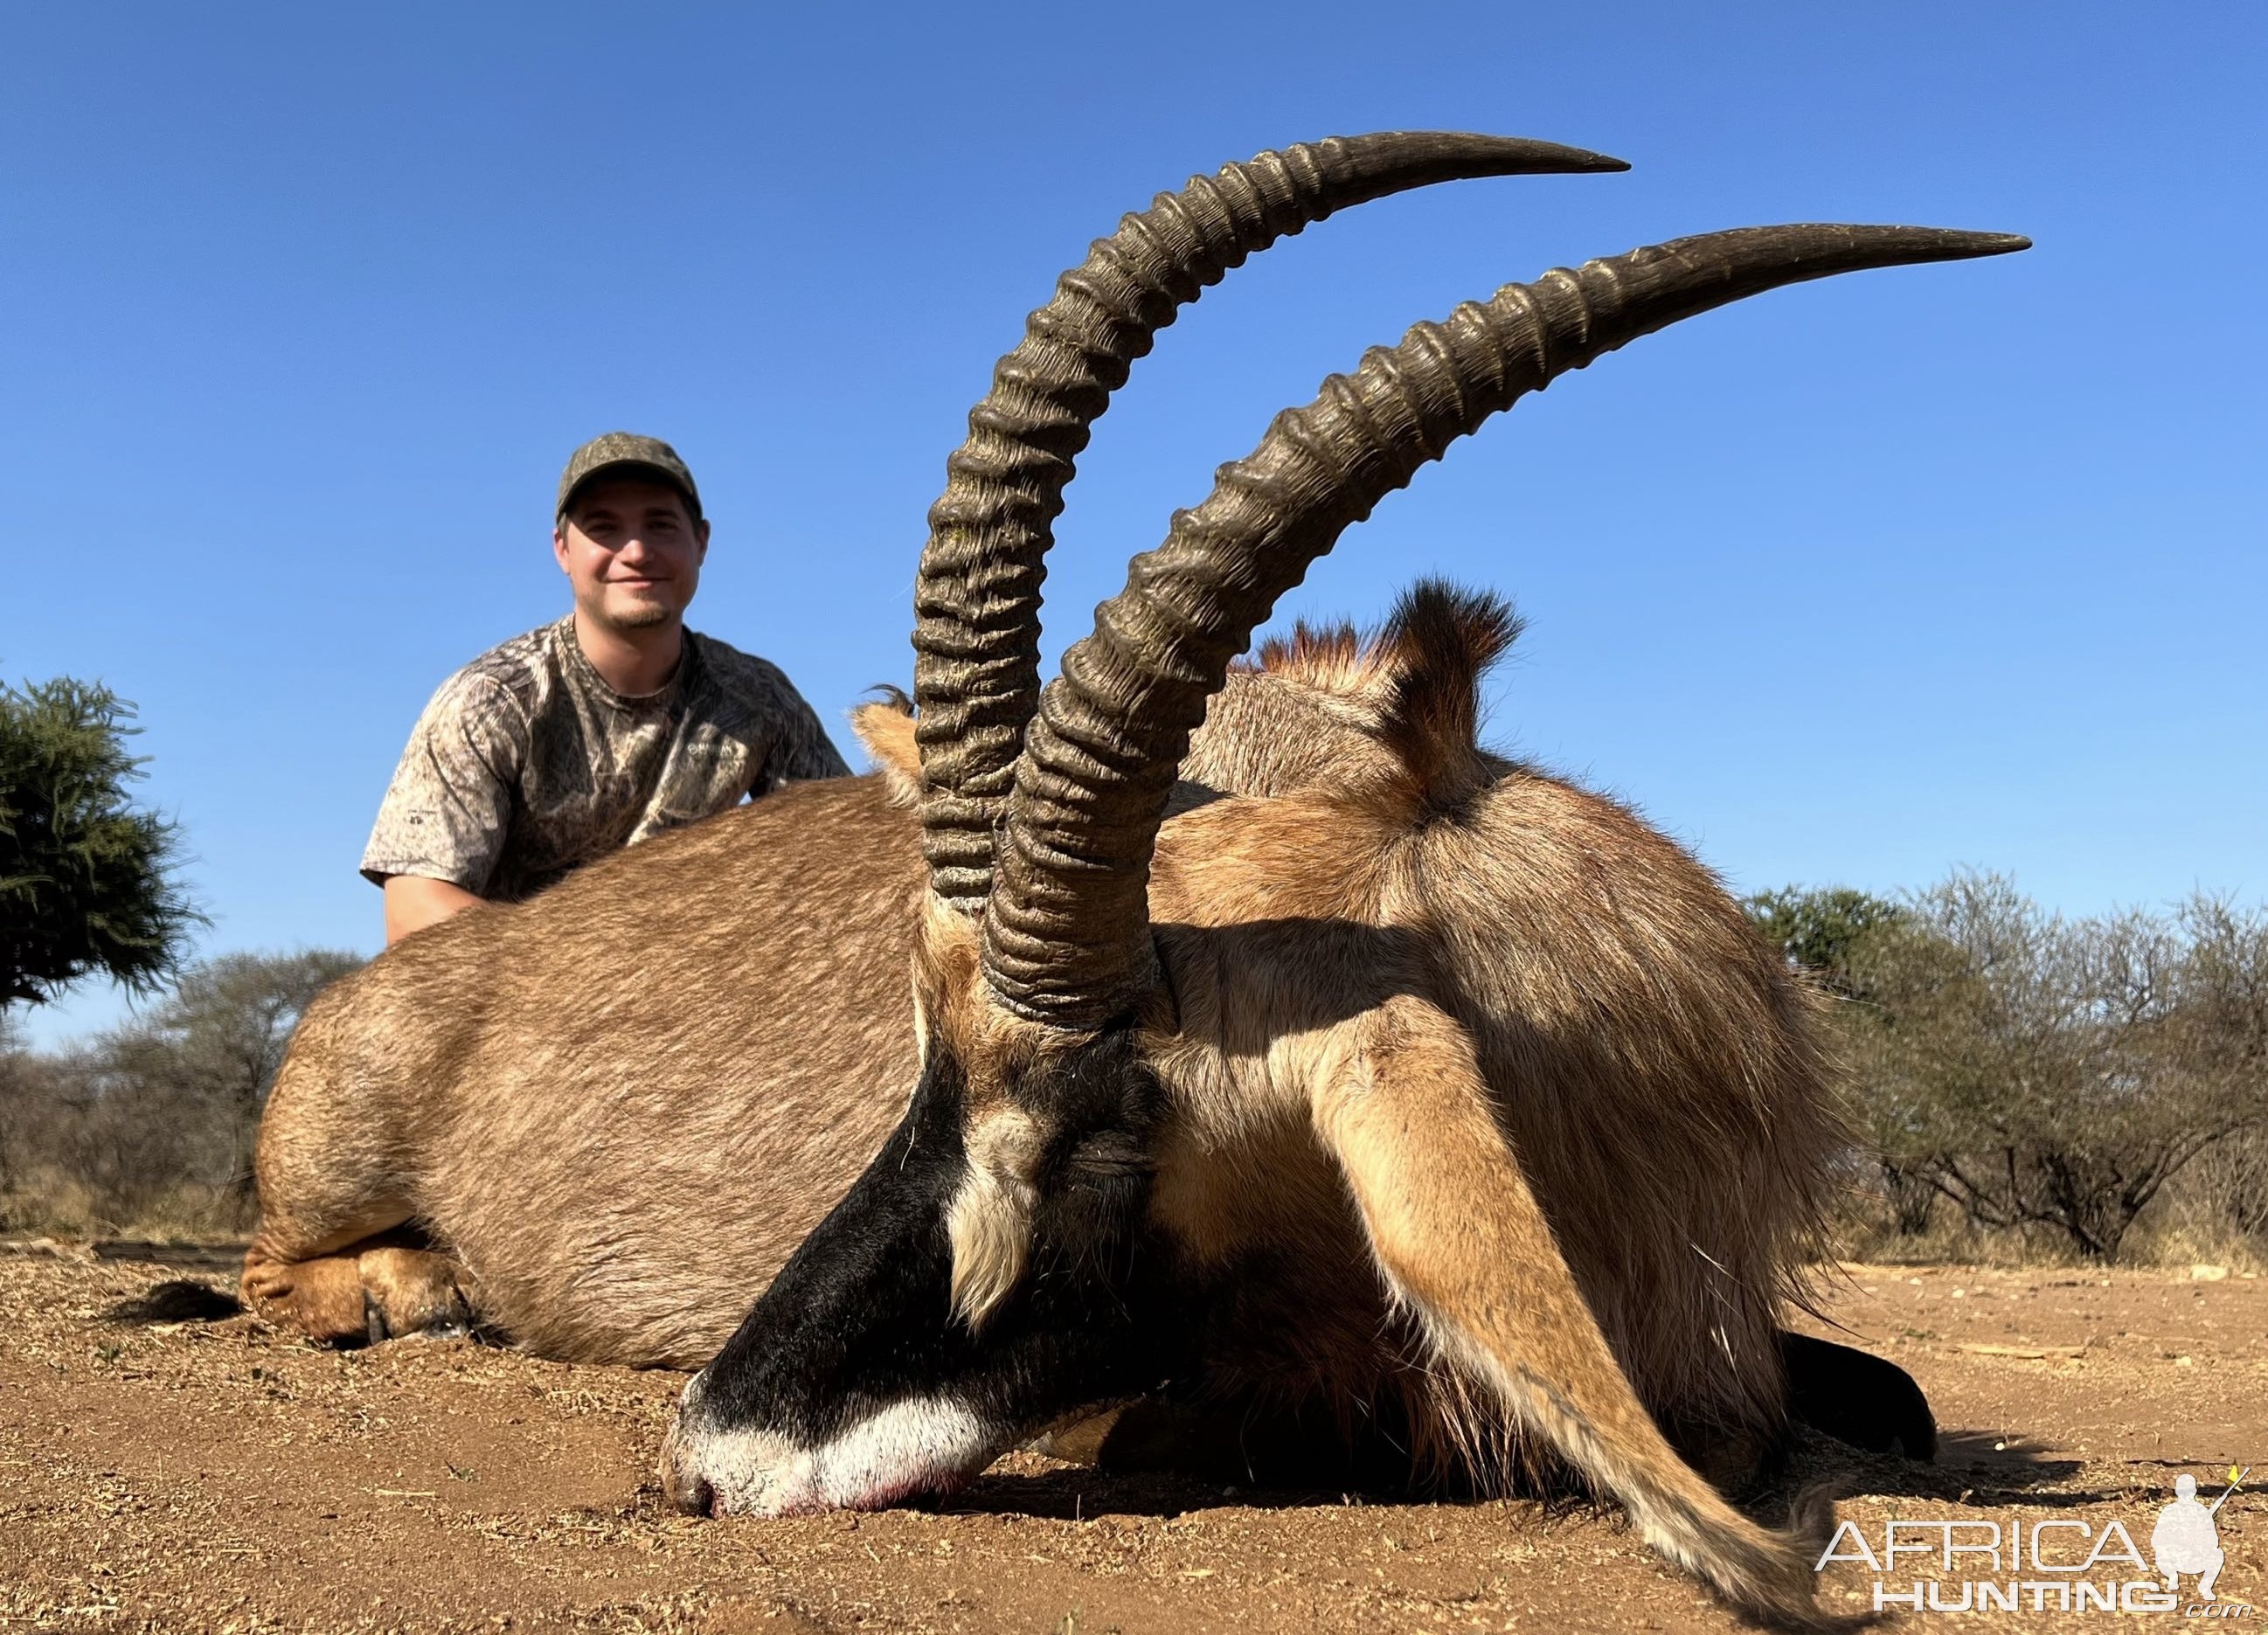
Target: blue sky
column 1853, row 583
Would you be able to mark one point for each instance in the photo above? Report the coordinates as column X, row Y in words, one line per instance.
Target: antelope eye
column 1111, row 1153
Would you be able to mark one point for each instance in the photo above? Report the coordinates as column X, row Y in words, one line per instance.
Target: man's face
column 632, row 551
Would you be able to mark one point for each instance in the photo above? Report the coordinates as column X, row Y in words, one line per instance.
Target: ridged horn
column 1066, row 933
column 977, row 633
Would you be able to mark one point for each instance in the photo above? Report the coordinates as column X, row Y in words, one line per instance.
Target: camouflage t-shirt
column 526, row 764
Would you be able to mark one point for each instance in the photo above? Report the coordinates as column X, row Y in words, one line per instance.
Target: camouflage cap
column 613, row 449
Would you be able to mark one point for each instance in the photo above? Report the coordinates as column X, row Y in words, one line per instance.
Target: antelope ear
column 887, row 728
column 1463, row 1242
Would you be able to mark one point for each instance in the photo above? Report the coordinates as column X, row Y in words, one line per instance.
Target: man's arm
column 443, row 824
column 414, row 902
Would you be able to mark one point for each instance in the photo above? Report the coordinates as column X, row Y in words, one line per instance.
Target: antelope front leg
column 369, row 1287
column 317, row 1294
column 1459, row 1235
column 410, row 1290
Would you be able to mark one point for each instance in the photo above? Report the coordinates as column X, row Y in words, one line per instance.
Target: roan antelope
column 1283, row 1059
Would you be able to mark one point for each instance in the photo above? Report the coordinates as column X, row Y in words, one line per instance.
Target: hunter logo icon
column 2063, row 1563
column 2186, row 1539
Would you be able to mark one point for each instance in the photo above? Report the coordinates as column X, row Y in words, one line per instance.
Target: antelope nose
column 681, row 1478
column 688, row 1490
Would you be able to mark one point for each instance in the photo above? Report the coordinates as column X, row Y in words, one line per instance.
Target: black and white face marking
column 855, row 1382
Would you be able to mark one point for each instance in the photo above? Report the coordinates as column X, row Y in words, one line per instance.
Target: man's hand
column 413, row 902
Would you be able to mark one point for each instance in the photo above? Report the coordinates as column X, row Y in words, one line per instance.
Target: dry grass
column 49, row 1204
column 2191, row 1224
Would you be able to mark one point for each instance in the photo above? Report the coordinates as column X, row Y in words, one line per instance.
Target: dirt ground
column 220, row 1477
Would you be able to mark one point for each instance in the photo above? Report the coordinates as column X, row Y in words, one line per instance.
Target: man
column 610, row 726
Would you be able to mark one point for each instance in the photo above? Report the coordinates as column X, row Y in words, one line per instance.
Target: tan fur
column 996, row 1050
column 391, row 1283
column 1648, row 1063
column 411, row 1290
column 1458, row 1232
column 990, row 1221
column 699, row 1041
column 320, row 1295
column 1576, row 1098
column 886, row 728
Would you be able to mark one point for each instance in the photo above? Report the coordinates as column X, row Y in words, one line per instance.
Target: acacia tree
column 1826, row 932
column 1820, row 929
column 14, row 1074
column 2222, row 1040
column 87, row 881
column 2062, row 1071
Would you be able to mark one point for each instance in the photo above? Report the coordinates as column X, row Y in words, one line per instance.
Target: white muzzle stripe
column 920, row 1444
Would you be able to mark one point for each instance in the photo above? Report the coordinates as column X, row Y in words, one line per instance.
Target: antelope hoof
column 1864, row 1400
column 411, row 1294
